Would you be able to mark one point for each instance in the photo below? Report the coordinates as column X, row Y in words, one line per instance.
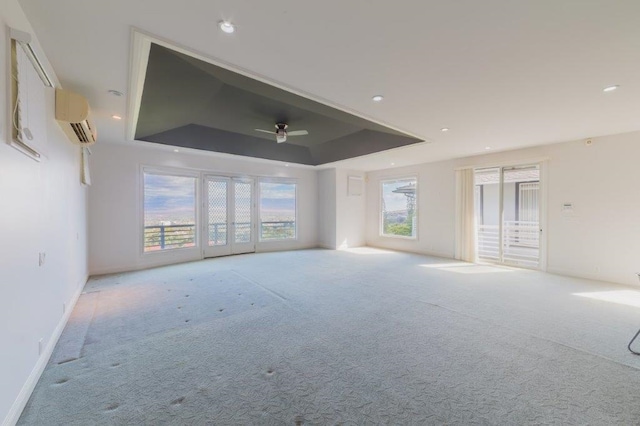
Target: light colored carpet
column 358, row 337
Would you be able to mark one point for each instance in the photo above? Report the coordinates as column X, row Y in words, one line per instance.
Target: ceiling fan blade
column 297, row 133
column 265, row 131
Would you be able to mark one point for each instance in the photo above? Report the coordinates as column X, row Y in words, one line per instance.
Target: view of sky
column 172, row 199
column 394, row 201
column 277, row 201
column 169, row 199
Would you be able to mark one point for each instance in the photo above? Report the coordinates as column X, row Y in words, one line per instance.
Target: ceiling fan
column 282, row 133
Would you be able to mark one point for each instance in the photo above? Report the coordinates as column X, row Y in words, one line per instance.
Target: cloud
column 394, row 201
column 274, row 190
column 169, row 198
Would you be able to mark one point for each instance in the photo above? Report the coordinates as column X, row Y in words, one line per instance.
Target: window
column 277, row 211
column 28, row 99
column 169, row 211
column 399, row 215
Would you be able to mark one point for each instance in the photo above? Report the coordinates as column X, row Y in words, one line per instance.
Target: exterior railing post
column 162, row 236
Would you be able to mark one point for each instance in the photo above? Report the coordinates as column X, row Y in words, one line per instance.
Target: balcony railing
column 161, row 237
column 520, row 243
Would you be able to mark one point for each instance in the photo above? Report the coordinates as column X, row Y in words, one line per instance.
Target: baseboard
column 421, row 252
column 326, row 246
column 158, row 264
column 25, row 393
column 273, row 247
column 632, row 281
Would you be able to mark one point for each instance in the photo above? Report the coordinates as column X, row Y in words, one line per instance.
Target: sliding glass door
column 508, row 215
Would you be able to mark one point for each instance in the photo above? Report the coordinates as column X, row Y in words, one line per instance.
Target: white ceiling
column 498, row 73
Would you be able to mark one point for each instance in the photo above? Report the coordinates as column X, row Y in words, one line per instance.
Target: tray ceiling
column 191, row 103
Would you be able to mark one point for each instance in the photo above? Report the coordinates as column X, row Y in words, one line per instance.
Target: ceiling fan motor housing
column 281, row 132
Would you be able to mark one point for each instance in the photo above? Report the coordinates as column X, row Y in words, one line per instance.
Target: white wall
column 43, row 209
column 435, row 207
column 327, row 208
column 601, row 240
column 115, row 208
column 350, row 211
column 341, row 217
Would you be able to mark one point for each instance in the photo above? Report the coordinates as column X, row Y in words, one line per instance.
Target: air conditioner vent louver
column 73, row 115
column 79, row 133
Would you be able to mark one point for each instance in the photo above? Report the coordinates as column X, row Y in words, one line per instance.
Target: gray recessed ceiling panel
column 190, row 103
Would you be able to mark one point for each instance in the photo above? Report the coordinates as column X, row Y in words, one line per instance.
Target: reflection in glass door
column 508, row 215
column 229, row 216
column 243, row 217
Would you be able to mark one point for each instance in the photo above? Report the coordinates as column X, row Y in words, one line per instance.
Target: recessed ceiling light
column 176, row 150
column 116, row 117
column 227, row 27
column 444, row 129
column 393, row 164
column 487, row 147
column 610, row 88
column 377, row 98
column 115, row 92
column 286, row 165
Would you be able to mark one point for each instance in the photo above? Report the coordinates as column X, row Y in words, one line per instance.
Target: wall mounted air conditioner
column 73, row 115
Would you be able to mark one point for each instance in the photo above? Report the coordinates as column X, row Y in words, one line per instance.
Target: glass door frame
column 231, row 246
column 542, row 212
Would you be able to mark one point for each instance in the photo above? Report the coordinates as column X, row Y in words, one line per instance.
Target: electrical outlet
column 41, row 258
column 40, row 346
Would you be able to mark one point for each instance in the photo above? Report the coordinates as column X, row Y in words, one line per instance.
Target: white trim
column 215, row 154
column 543, row 253
column 27, row 389
column 505, row 163
column 139, row 57
column 140, row 45
column 326, row 246
column 430, row 253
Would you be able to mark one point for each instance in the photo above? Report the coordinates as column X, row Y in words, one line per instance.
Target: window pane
column 169, row 212
column 242, row 204
column 217, row 193
column 399, row 208
column 277, row 211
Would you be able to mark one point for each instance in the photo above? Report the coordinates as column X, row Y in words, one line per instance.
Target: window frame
column 168, row 171
column 262, row 180
column 34, row 149
column 381, row 212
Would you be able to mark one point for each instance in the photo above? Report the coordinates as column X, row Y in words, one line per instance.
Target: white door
column 230, row 216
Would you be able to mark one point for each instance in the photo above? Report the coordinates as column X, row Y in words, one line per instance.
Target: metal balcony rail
column 520, row 242
column 169, row 236
column 160, row 237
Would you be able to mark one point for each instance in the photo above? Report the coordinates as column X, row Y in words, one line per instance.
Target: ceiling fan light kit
column 282, row 133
